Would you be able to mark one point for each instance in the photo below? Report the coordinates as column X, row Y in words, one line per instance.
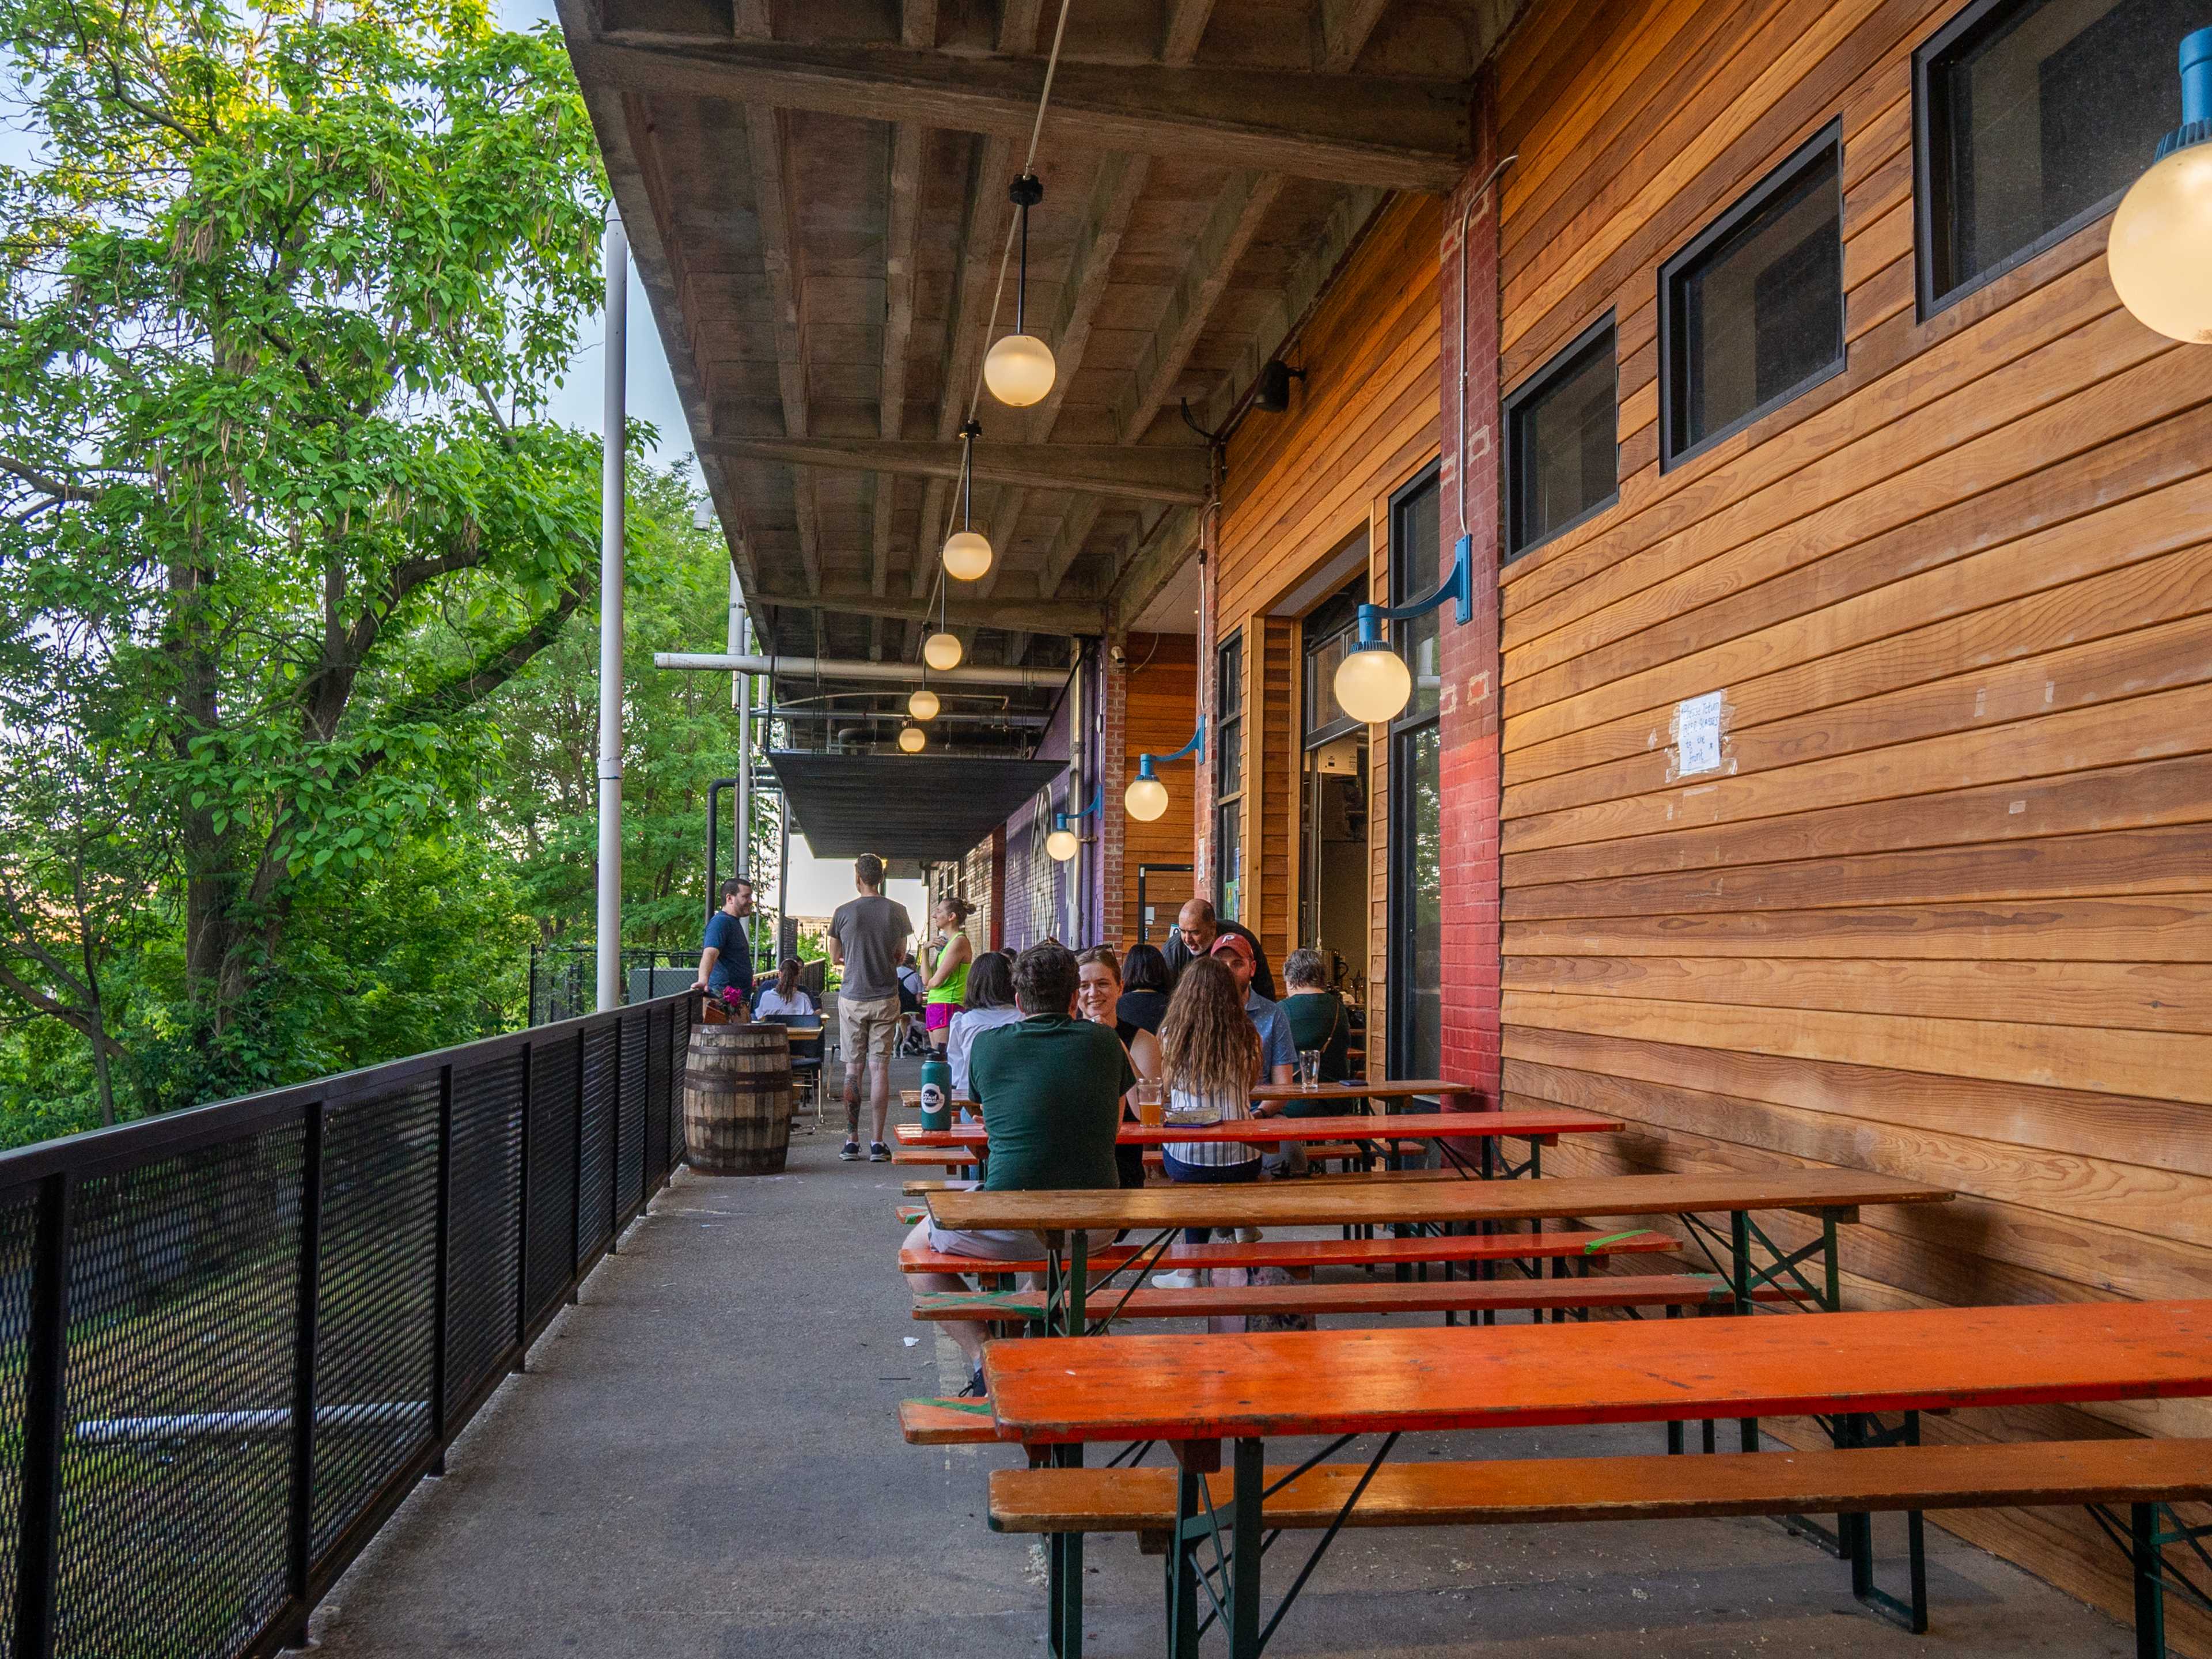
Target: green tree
column 279, row 311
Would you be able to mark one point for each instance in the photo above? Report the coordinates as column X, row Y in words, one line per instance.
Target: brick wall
column 1468, row 714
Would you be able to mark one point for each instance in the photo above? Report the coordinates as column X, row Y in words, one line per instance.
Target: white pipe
column 254, row 1419
column 857, row 668
column 613, row 481
column 1075, row 751
column 741, row 694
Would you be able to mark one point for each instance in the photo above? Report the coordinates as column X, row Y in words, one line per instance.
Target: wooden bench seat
column 1642, row 1488
column 922, row 1187
column 951, row 1422
column 1330, row 1252
column 1377, row 1297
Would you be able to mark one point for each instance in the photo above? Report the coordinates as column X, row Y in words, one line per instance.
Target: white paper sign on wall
column 1697, row 734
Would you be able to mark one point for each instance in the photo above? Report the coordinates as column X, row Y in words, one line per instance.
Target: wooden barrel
column 737, row 1099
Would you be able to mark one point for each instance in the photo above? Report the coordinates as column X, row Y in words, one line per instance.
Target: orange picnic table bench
column 1194, row 1392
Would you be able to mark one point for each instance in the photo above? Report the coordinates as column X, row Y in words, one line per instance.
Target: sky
column 817, row 886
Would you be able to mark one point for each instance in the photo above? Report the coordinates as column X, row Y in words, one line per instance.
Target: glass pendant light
column 923, row 704
column 2160, row 250
column 1019, row 369
column 941, row 650
column 911, row 739
column 967, row 553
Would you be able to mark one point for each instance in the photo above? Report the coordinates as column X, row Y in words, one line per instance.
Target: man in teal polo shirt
column 1050, row 1086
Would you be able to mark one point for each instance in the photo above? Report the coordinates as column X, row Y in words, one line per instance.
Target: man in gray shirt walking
column 868, row 939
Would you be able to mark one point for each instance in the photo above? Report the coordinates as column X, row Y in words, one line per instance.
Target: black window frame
column 1673, row 365
column 1931, row 174
column 1225, row 739
column 1405, row 733
column 1563, row 362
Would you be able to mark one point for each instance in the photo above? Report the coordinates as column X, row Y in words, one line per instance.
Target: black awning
column 930, row 807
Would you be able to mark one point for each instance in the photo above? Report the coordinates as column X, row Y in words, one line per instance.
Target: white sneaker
column 1181, row 1279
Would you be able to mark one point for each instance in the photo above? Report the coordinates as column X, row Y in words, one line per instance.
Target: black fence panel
column 633, row 1105
column 376, row 1291
column 484, row 1198
column 231, row 1339
column 178, row 1382
column 552, row 1177
column 595, row 1187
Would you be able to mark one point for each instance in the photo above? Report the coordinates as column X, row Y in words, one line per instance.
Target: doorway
column 1333, row 799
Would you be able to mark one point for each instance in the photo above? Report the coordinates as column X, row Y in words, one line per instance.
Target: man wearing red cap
column 1279, row 1050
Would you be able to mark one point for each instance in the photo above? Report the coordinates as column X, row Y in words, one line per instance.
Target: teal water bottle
column 936, row 1094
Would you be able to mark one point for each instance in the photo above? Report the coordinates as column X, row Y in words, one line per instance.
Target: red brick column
column 1469, row 712
column 1111, row 824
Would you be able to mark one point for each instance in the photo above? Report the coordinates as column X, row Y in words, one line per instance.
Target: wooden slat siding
column 1946, row 910
column 1298, row 486
column 1162, row 701
column 1271, row 799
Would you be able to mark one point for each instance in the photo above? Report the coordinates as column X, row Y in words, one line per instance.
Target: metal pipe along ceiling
column 860, row 668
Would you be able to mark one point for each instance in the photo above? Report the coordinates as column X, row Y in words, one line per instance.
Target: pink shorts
column 938, row 1016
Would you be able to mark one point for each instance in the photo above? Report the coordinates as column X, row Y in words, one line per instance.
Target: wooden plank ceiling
column 815, row 194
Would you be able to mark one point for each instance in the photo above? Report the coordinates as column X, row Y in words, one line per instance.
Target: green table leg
column 1245, row 1572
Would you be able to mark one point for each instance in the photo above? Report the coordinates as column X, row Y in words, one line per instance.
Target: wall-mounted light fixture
column 1273, row 393
column 967, row 550
column 1063, row 842
column 1019, row 369
column 1373, row 683
column 1146, row 797
column 2160, row 250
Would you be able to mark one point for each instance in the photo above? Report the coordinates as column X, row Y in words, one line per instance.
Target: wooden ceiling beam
column 1120, row 186
column 780, row 257
column 1404, row 134
column 1154, row 473
column 1340, row 31
column 918, row 24
column 1030, row 615
column 1157, row 556
column 1228, row 231
column 1067, row 545
column 1184, row 27
column 902, row 219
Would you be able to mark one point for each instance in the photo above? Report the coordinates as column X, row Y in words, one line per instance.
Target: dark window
column 1226, row 742
column 2032, row 116
column 1752, row 313
column 1562, row 455
column 1416, row 787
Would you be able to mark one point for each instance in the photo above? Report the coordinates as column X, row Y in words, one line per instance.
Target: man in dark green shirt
column 1050, row 1087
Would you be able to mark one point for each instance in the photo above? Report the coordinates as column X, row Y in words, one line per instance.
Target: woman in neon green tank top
column 946, row 957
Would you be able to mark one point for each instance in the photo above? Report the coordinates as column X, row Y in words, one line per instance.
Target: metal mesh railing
column 233, row 1339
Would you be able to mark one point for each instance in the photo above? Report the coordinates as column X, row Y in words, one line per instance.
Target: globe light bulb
column 967, row 556
column 1019, row 370
column 941, row 651
column 911, row 740
column 923, row 705
column 1146, row 799
column 1061, row 844
column 1373, row 685
column 2160, row 247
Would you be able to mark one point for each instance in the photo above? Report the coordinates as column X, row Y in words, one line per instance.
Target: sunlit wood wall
column 1944, row 913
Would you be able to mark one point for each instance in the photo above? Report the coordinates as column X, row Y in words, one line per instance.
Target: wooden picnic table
column 1831, row 1196
column 1547, row 1124
column 1357, row 1088
column 1197, row 1391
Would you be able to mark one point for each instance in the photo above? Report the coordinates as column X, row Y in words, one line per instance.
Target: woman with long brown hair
column 1210, row 1059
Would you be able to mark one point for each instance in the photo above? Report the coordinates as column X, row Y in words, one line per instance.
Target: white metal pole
column 613, row 481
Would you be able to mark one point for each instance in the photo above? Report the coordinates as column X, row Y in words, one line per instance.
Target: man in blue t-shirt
column 727, row 959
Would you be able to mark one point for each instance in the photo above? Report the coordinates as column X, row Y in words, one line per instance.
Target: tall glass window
column 1416, row 952
column 1562, row 453
column 1226, row 742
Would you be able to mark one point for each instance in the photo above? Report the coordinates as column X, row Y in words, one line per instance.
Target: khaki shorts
column 868, row 1026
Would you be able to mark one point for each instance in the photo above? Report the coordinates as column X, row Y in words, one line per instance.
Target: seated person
column 1317, row 1021
column 1096, row 999
column 1051, row 1088
column 988, row 1004
column 1144, row 986
column 786, row 999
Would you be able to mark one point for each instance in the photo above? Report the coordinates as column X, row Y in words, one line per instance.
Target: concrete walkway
column 702, row 1463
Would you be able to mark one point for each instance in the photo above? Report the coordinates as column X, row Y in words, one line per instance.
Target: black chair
column 807, row 1045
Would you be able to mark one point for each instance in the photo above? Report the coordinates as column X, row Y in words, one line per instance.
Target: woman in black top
column 1143, row 989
